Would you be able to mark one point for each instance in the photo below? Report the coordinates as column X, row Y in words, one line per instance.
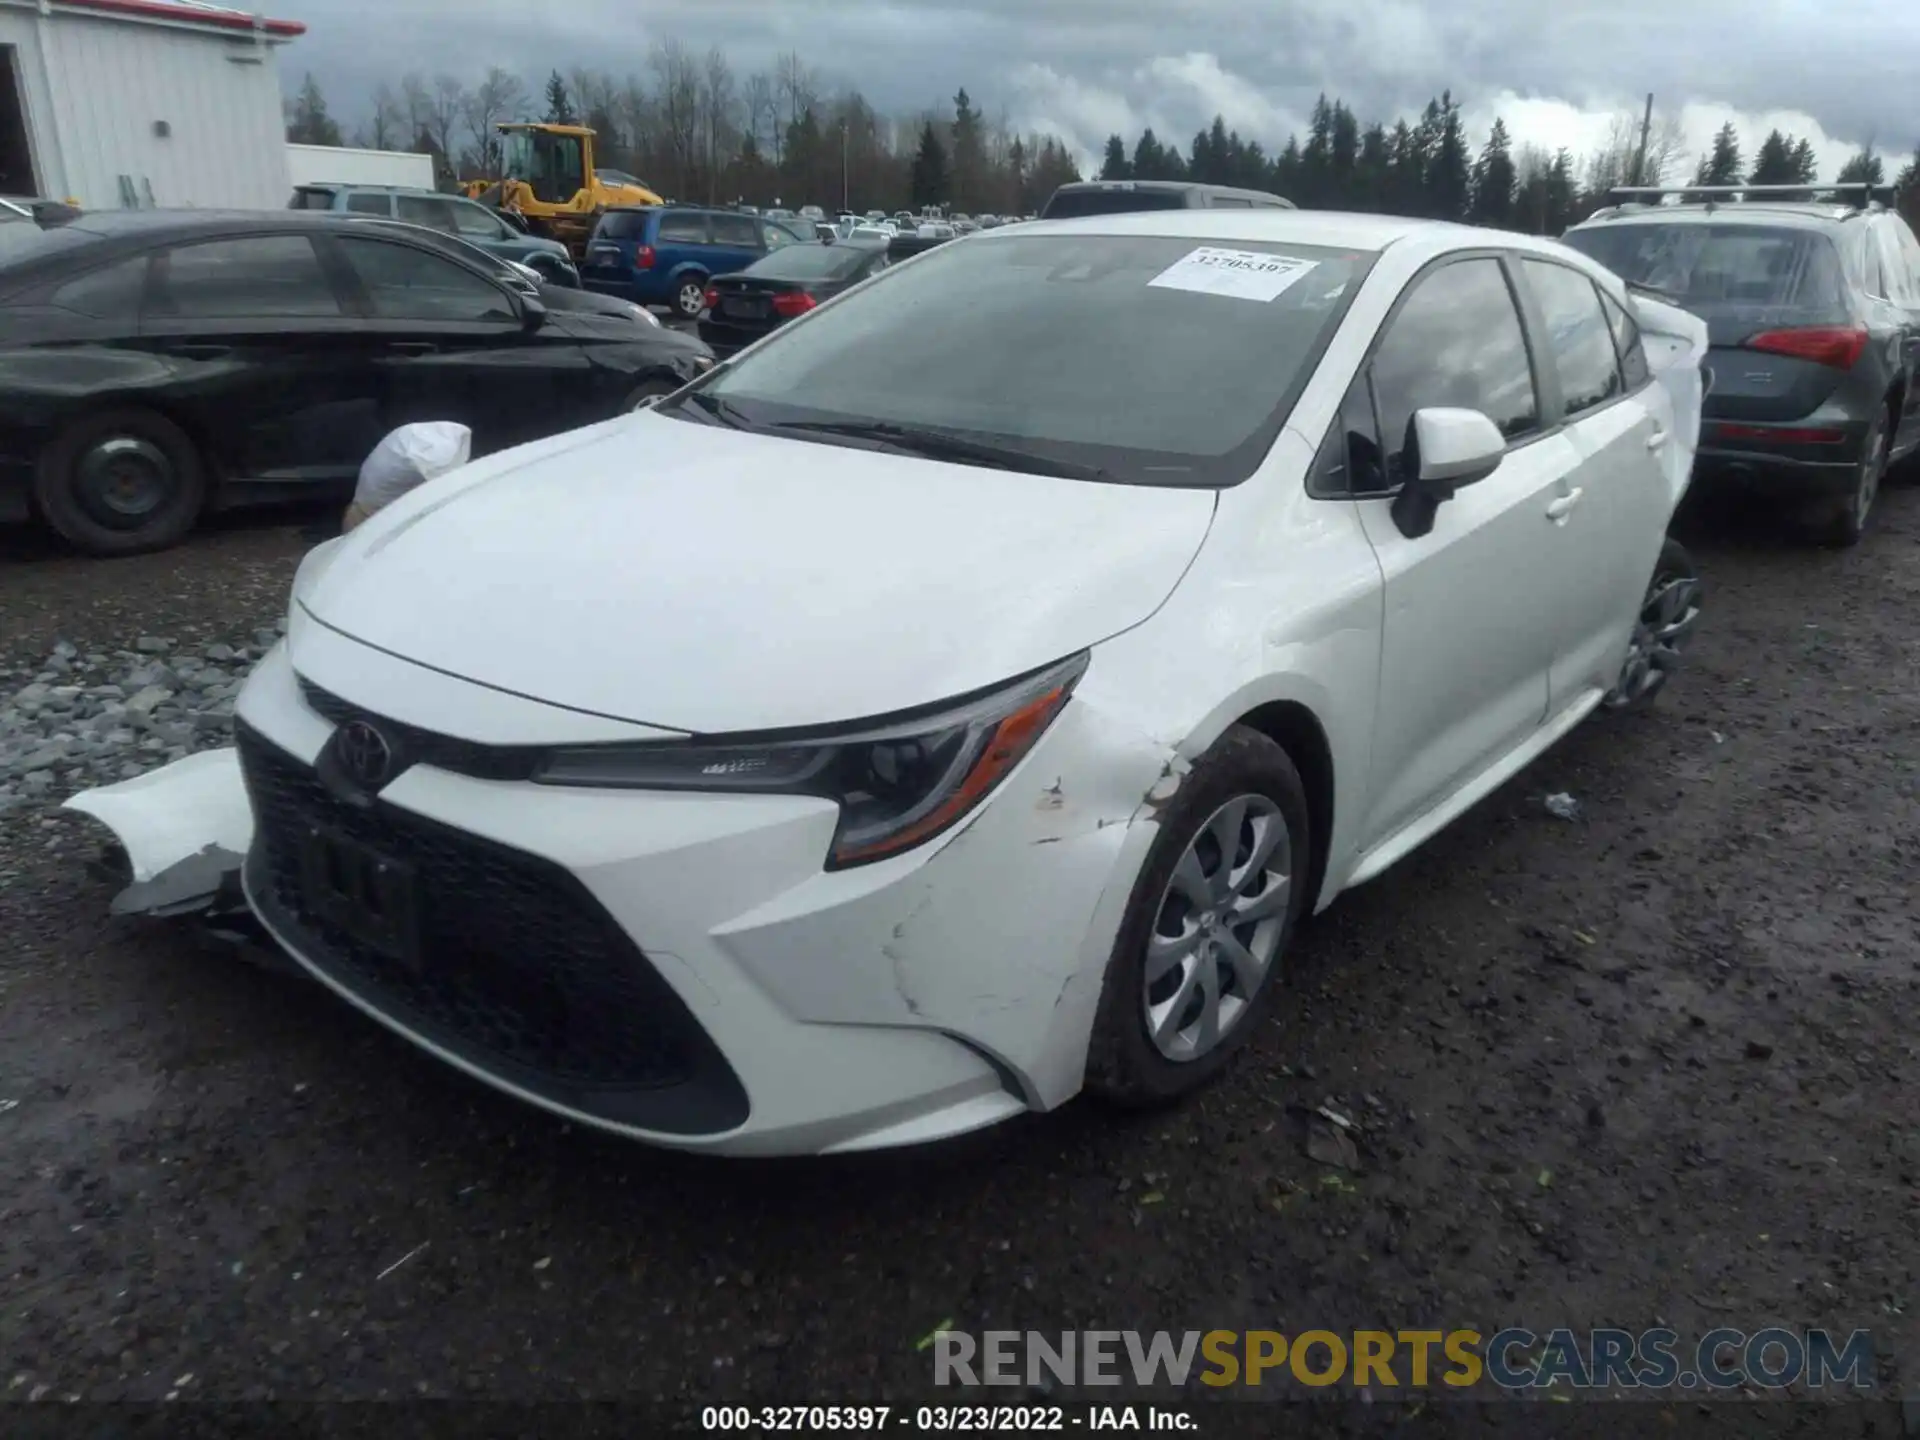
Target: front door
column 1467, row 623
column 447, row 343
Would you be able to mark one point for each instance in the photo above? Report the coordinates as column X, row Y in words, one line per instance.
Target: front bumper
column 680, row 968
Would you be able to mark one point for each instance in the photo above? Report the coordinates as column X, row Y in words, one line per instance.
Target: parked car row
column 157, row 364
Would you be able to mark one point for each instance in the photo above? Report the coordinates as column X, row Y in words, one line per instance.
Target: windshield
column 810, row 262
column 1721, row 268
column 1066, row 204
column 1149, row 358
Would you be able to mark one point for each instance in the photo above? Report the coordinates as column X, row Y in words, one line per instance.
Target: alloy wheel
column 1667, row 620
column 693, row 299
column 1218, row 927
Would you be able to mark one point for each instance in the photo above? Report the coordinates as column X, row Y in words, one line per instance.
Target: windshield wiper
column 720, row 411
column 939, row 445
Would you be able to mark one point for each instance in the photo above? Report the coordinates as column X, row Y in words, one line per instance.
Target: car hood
column 708, row 580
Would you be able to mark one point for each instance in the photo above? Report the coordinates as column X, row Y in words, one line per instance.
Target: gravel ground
column 1653, row 1065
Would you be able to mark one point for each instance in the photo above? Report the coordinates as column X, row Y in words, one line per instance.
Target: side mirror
column 533, row 313
column 1445, row 449
column 513, row 218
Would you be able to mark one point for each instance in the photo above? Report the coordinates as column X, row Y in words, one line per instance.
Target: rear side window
column 476, row 222
column 431, row 211
column 1457, row 341
column 368, row 202
column 1579, row 340
column 258, row 276
column 683, row 229
column 311, row 199
column 736, row 230
column 1627, row 343
column 1229, row 202
column 110, row 293
column 408, row 284
column 1721, row 267
column 621, row 225
column 1893, row 264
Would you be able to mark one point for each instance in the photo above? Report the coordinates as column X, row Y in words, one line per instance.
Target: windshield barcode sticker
column 1242, row 274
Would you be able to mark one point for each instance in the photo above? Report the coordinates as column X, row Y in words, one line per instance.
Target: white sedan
column 871, row 742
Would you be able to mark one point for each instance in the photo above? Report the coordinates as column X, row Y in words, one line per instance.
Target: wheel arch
column 1298, row 731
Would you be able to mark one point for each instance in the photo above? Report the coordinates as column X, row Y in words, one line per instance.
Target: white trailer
column 344, row 165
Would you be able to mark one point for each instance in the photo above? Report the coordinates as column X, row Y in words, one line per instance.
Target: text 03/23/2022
column 940, row 1419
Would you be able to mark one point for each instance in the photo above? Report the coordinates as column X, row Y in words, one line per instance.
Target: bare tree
column 761, row 102
column 797, row 85
column 417, row 104
column 448, row 102
column 633, row 112
column 1618, row 158
column 383, row 132
column 501, row 96
column 718, row 105
column 676, row 107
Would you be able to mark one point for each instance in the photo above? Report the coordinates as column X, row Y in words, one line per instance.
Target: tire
column 690, row 296
column 120, row 483
column 646, row 393
column 1125, row 1063
column 1847, row 521
column 1669, row 613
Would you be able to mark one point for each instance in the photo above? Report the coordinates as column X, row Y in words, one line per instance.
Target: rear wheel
column 691, row 298
column 1847, row 522
column 120, row 483
column 649, row 393
column 1668, row 617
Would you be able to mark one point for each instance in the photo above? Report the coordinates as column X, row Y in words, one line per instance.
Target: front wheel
column 691, row 298
column 649, row 393
column 1198, row 956
column 121, row 482
column 1668, row 617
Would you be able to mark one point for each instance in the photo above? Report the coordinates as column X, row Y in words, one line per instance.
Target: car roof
column 118, row 224
column 1335, row 229
column 1805, row 215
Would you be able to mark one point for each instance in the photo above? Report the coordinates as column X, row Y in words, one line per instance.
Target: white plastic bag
column 406, row 460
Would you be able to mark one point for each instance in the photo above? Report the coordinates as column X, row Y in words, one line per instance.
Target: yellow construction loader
column 549, row 184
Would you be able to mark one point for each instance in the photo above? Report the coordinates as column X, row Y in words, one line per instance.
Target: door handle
column 1563, row 507
column 412, row 347
column 1657, row 438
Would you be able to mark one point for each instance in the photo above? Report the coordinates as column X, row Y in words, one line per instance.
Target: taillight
column 711, row 299
column 1780, row 434
column 643, row 257
column 793, row 302
column 1835, row 345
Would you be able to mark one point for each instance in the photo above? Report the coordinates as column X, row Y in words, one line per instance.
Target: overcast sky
column 1841, row 74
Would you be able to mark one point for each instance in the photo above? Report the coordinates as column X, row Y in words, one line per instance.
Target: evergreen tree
column 1018, row 180
column 1150, row 158
column 1369, row 188
column 1864, row 166
column 1907, row 183
column 1493, row 179
column 1289, row 172
column 1316, row 157
column 1806, row 169
column 1449, row 175
column 1116, row 165
column 969, row 162
column 1559, row 194
column 929, row 170
column 307, row 120
column 1406, row 173
column 1773, row 161
column 1343, row 155
column 1721, row 165
column 559, row 103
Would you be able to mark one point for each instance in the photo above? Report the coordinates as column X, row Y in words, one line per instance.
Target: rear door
column 447, row 343
column 1473, row 608
column 1890, row 239
column 270, row 365
column 1609, row 536
column 737, row 242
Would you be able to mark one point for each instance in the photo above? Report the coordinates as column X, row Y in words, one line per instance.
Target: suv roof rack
column 1860, row 193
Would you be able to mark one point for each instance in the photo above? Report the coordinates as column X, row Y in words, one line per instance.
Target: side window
column 109, row 293
column 1229, row 202
column 736, row 230
column 476, row 222
column 370, row 202
column 1350, row 462
column 683, row 229
column 776, row 236
column 1628, row 345
column 408, row 284
column 258, row 276
column 1871, row 280
column 1456, row 341
column 428, row 210
column 1578, row 337
column 1893, row 264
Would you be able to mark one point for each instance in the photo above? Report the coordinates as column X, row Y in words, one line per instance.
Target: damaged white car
column 873, row 742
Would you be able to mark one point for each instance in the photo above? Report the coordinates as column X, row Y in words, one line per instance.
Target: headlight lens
column 897, row 785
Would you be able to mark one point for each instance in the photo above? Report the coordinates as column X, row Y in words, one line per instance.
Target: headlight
column 897, row 785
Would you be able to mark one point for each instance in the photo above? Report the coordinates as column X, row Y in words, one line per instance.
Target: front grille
column 519, row 971
column 424, row 747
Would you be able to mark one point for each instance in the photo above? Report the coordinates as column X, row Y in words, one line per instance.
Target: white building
column 133, row 103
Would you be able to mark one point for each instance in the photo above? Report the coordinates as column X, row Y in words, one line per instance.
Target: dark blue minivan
column 665, row 254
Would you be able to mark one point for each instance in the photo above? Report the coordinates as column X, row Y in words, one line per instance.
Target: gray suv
column 1115, row 197
column 1813, row 313
column 455, row 215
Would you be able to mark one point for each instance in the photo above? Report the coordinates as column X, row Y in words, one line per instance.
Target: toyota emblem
column 364, row 754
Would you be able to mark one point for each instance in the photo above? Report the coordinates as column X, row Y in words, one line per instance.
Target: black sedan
column 774, row 289
column 155, row 364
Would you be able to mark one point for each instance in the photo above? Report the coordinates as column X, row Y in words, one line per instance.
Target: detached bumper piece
column 500, row 959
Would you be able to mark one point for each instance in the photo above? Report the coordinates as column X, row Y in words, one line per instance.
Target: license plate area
column 745, row 309
column 368, row 897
